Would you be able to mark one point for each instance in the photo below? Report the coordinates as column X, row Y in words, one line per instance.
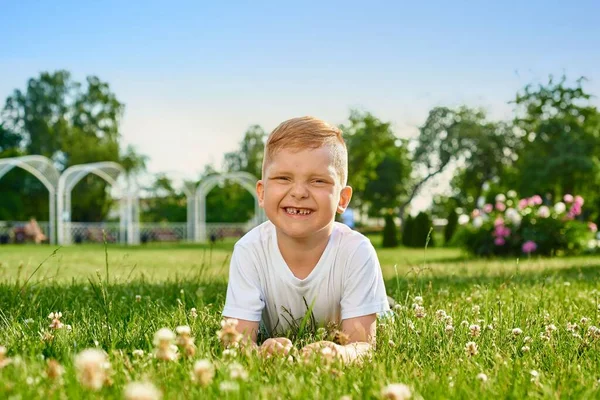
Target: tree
column 560, row 131
column 378, row 163
column 450, row 228
column 447, row 136
column 69, row 123
column 249, row 156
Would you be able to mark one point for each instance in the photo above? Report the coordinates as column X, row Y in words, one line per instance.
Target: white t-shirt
column 346, row 282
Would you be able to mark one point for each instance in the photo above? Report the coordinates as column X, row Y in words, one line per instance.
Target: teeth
column 299, row 211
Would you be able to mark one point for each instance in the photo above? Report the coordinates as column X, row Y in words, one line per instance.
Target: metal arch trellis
column 43, row 169
column 245, row 179
column 110, row 172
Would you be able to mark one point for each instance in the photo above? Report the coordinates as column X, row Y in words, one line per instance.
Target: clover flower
column 203, row 372
column 193, row 313
column 141, row 391
column 185, row 341
column 228, row 335
column 420, row 311
column 396, row 391
column 237, row 371
column 482, row 377
column 54, row 370
column 164, row 349
column 471, row 349
column 475, row 330
column 517, row 331
column 56, row 323
column 92, row 368
column 4, row 361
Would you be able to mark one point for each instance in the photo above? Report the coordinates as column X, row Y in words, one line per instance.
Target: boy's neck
column 302, row 255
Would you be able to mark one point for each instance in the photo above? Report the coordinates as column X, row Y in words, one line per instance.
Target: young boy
column 301, row 258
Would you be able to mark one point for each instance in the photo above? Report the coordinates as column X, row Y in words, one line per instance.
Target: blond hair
column 308, row 132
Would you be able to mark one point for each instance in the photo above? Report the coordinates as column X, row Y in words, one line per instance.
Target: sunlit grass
column 157, row 286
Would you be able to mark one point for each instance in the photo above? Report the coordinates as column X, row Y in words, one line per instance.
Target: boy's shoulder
column 257, row 236
column 349, row 240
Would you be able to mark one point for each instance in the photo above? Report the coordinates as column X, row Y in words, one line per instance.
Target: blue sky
column 195, row 75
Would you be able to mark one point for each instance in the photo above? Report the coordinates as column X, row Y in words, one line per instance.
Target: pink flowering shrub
column 527, row 227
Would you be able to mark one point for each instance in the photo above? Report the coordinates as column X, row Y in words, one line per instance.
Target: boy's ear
column 345, row 196
column 260, row 193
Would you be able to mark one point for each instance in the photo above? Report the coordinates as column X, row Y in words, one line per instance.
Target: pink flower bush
column 515, row 226
column 529, row 247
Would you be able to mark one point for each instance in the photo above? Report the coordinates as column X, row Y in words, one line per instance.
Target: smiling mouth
column 297, row 211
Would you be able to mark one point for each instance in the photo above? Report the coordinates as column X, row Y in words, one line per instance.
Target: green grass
column 530, row 294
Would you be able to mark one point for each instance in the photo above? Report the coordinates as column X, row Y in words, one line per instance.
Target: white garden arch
column 245, row 179
column 110, row 172
column 43, row 169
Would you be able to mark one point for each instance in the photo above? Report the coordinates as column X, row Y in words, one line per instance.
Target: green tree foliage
column 249, row 156
column 390, row 233
column 378, row 163
column 560, row 133
column 69, row 123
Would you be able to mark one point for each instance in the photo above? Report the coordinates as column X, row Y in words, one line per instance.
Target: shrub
column 421, row 227
column 407, row 231
column 390, row 233
column 450, row 228
column 526, row 226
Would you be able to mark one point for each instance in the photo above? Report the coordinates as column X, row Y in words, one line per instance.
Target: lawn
column 532, row 323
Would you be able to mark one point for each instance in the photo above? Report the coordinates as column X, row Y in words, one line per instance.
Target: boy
column 301, row 258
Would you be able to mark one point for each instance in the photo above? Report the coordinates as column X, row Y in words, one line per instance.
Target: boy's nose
column 299, row 191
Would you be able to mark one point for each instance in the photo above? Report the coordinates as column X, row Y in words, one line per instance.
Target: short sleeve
column 364, row 289
column 244, row 295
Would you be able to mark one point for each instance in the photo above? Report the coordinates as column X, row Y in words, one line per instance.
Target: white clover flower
column 228, row 386
column 449, row 330
column 237, row 371
column 420, row 312
column 138, row 298
column 584, row 320
column 228, row 335
column 517, row 331
column 572, row 327
column 56, row 323
column 490, row 327
column 230, row 352
column 464, row 323
column 396, row 391
column 193, row 313
column 141, row 391
column 527, row 339
column 476, row 309
column 203, row 372
column 92, row 367
column 471, row 349
column 550, row 328
column 164, row 347
column 482, row 377
column 525, row 349
column 448, row 320
column 440, row 315
column 419, row 300
column 475, row 330
column 534, row 375
column 183, row 330
column 137, row 353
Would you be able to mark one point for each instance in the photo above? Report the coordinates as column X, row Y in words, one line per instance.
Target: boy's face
column 301, row 192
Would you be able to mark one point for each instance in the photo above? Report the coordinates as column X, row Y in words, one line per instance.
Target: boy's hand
column 276, row 347
column 325, row 348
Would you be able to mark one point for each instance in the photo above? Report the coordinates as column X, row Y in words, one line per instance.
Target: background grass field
column 98, row 299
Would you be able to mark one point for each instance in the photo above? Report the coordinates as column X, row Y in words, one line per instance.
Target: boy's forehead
column 318, row 160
